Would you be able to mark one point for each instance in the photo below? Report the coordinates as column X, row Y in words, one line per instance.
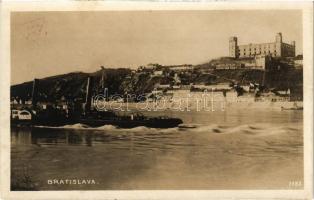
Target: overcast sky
column 50, row 43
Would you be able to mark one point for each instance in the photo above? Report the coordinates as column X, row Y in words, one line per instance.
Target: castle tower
column 278, row 38
column 293, row 48
column 233, row 47
column 293, row 43
column 279, row 50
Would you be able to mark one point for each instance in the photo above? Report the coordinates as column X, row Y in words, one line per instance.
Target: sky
column 50, row 43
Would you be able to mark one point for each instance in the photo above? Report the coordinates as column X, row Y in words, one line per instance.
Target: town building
column 273, row 49
column 181, row 67
column 158, row 73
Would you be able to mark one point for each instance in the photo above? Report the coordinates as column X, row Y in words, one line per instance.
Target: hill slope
column 119, row 81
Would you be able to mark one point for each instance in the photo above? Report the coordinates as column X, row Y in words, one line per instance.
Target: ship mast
column 88, row 96
column 102, row 83
column 34, row 92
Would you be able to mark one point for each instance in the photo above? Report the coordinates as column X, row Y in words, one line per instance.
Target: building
column 151, row 66
column 184, row 67
column 158, row 73
column 213, row 87
column 162, row 86
column 274, row 49
column 262, row 62
column 259, row 62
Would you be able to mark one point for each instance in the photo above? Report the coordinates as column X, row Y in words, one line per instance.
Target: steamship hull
column 150, row 123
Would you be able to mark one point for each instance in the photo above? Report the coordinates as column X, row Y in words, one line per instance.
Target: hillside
column 120, row 81
column 71, row 85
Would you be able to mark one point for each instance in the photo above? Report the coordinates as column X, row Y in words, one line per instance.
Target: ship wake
column 256, row 130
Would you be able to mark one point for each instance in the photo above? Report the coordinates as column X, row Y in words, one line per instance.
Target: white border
column 7, row 7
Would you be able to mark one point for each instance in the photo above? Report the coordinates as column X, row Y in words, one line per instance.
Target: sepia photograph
column 157, row 100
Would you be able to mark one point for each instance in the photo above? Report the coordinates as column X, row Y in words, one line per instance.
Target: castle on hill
column 273, row 49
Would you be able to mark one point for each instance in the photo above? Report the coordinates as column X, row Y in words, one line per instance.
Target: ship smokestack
column 34, row 92
column 88, row 94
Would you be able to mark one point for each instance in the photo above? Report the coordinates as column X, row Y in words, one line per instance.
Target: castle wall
column 274, row 49
column 288, row 50
column 251, row 50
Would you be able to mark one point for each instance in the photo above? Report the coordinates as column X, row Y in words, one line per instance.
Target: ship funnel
column 34, row 92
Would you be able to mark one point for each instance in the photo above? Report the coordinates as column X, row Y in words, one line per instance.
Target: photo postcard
column 156, row 100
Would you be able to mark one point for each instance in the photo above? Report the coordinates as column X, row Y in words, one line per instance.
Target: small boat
column 292, row 108
column 187, row 126
column 295, row 107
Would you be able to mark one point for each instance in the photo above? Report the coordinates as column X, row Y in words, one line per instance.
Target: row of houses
column 158, row 69
column 185, row 96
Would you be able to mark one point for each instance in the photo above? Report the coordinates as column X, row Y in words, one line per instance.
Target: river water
column 233, row 149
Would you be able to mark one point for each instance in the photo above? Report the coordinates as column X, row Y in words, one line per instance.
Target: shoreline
column 185, row 106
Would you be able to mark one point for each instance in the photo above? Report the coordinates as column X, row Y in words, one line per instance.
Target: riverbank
column 184, row 105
